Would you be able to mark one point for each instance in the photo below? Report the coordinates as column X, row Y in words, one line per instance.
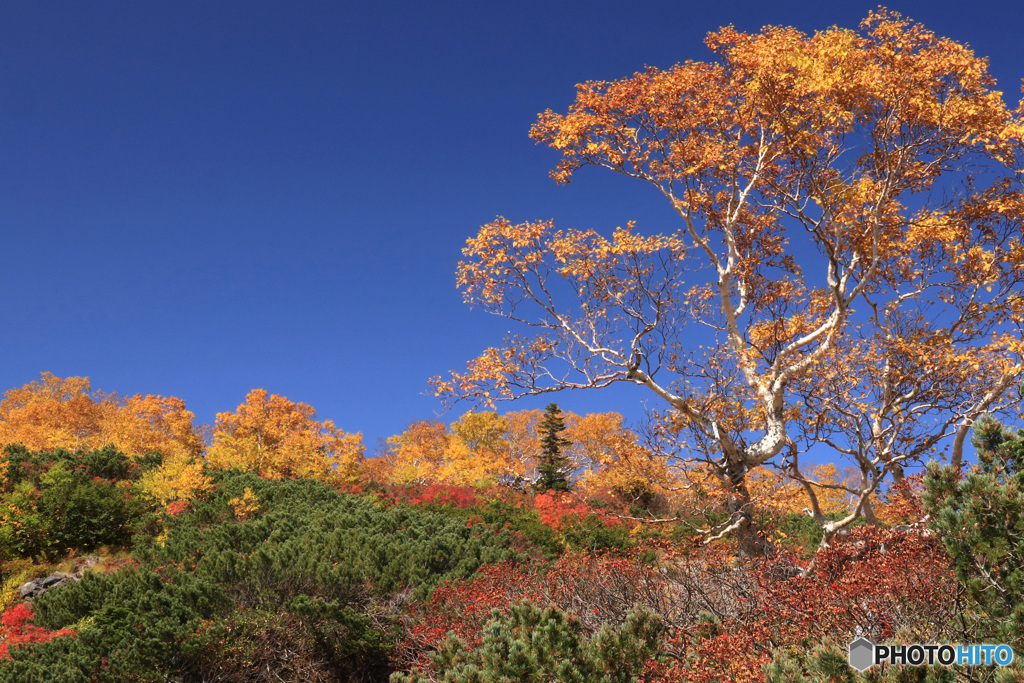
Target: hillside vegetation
column 249, row 574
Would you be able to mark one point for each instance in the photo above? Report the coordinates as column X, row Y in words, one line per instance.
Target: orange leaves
column 480, row 449
column 278, row 438
column 610, row 457
column 418, row 454
column 153, row 423
column 492, row 370
column 55, row 413
column 581, row 283
column 776, row 492
column 781, row 99
column 853, row 285
column 611, row 123
column 504, row 256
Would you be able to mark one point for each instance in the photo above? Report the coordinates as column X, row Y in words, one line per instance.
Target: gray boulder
column 33, row 589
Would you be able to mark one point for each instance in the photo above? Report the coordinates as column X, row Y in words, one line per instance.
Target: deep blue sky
column 200, row 198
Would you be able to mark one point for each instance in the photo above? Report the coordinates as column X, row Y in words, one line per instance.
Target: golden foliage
column 774, row 491
column 52, row 413
column 178, row 478
column 419, row 454
column 608, row 456
column 857, row 283
column 480, row 449
column 246, row 505
column 278, row 438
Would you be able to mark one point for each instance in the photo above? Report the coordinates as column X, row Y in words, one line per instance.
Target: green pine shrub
column 979, row 516
column 307, row 587
column 828, row 663
column 534, row 645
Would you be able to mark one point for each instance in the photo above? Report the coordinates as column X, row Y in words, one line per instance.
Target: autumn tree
column 553, row 467
column 479, row 449
column 278, row 438
column 847, row 253
column 52, row 413
column 418, row 455
column 501, row 449
column 608, row 455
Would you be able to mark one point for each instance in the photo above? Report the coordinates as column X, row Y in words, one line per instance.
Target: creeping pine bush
column 979, row 516
column 827, row 663
column 531, row 644
column 304, row 587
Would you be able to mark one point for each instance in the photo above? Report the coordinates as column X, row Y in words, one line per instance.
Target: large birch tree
column 844, row 270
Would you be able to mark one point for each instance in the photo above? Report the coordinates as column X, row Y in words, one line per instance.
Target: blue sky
column 200, row 198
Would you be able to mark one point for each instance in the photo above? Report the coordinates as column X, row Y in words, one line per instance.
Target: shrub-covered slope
column 259, row 581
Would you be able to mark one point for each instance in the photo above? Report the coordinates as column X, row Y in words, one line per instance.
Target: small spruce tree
column 552, row 466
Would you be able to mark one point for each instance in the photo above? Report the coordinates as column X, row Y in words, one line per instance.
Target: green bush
column 980, row 519
column 828, row 663
column 53, row 503
column 304, row 589
column 547, row 646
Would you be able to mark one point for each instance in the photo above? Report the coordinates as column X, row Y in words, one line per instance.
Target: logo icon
column 862, row 654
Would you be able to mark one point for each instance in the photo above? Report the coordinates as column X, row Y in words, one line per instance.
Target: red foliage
column 559, row 509
column 874, row 582
column 116, row 564
column 176, row 507
column 904, row 500
column 595, row 589
column 18, row 628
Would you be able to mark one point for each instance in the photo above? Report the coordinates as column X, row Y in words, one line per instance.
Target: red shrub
column 873, row 583
column 559, row 509
column 595, row 589
column 18, row 628
column 176, row 507
column 445, row 494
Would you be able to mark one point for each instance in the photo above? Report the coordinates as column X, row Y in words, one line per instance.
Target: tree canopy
column 844, row 271
column 278, row 438
column 52, row 413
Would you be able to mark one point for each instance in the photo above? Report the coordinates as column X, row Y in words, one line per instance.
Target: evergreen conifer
column 979, row 515
column 553, row 466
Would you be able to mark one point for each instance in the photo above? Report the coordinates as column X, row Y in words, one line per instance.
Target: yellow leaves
column 491, row 374
column 504, row 258
column 418, row 453
column 780, row 493
column 55, row 413
column 829, row 288
column 480, row 449
column 178, row 478
column 278, row 438
column 246, row 505
column 936, row 227
column 609, row 456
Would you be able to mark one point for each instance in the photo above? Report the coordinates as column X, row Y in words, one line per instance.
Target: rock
column 58, row 579
column 33, row 589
